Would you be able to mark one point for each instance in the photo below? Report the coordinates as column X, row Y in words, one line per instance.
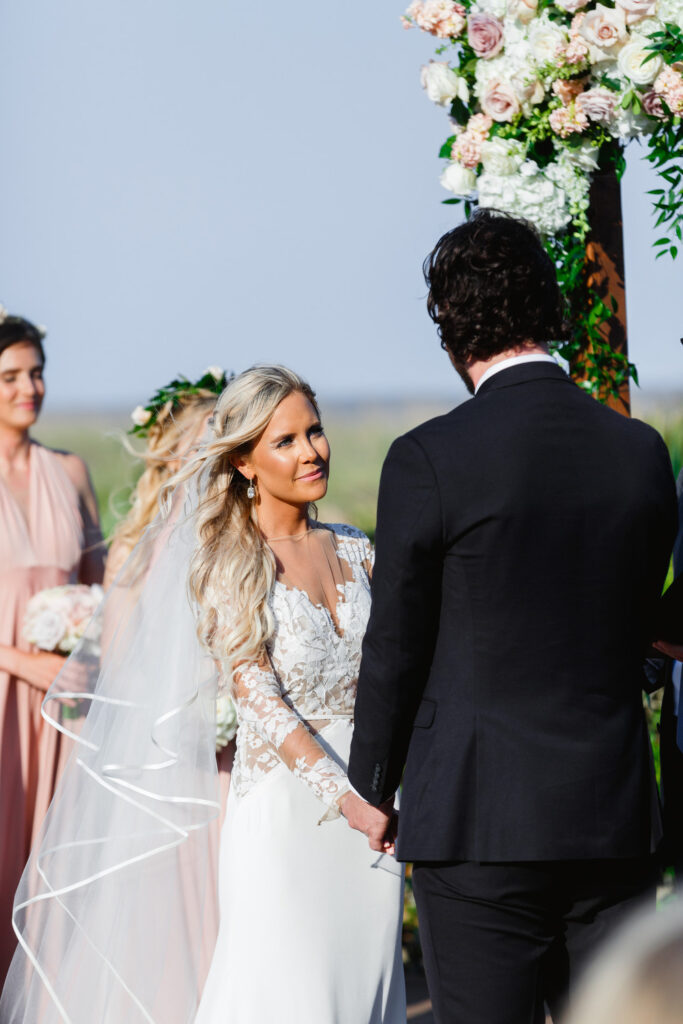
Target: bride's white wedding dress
column 310, row 917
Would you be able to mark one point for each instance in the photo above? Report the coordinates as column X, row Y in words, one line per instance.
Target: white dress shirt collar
column 532, row 357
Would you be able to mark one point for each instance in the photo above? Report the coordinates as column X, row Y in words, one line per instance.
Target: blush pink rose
column 500, row 100
column 467, row 149
column 597, row 104
column 652, row 105
column 485, row 35
column 604, row 27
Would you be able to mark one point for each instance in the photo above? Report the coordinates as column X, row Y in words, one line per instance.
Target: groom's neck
column 476, row 368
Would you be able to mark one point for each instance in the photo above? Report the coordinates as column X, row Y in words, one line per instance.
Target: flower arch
column 542, row 96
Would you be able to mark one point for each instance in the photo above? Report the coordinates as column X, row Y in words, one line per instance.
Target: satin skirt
column 310, row 917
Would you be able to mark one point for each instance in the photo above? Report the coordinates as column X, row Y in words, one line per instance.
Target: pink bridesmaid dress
column 44, row 551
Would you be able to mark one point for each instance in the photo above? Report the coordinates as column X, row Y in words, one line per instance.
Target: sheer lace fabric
column 320, row 603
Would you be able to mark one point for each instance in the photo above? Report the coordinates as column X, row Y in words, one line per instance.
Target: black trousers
column 500, row 940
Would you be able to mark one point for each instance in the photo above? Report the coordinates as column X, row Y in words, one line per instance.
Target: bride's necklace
column 292, row 536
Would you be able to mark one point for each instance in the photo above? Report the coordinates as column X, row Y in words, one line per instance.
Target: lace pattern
column 309, row 680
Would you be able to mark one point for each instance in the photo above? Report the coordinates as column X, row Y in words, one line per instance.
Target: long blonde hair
column 165, row 443
column 233, row 570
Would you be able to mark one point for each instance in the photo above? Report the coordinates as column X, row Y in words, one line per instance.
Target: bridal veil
column 111, row 911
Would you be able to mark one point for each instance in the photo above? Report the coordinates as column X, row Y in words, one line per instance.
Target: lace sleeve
column 260, row 706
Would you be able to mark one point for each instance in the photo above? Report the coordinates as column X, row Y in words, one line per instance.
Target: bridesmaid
column 49, row 535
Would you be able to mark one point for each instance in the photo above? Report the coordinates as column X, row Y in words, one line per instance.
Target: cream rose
column 499, row 100
column 485, row 35
column 140, row 416
column 502, row 156
column 545, row 39
column 442, row 84
column 636, row 10
column 215, row 371
column 458, row 179
column 604, row 27
column 597, row 104
column 527, row 87
column 523, row 10
column 630, row 61
column 570, row 5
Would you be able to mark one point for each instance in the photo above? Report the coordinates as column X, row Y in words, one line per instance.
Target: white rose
column 523, row 10
column 502, row 156
column 527, row 87
column 584, row 156
column 631, row 59
column 442, row 84
column 48, row 629
column 636, row 10
column 458, row 179
column 545, row 38
column 215, row 371
column 140, row 416
column 604, row 27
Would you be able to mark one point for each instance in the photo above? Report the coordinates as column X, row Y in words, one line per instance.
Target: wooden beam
column 605, row 263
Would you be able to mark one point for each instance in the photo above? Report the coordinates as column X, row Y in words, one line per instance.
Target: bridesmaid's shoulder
column 73, row 465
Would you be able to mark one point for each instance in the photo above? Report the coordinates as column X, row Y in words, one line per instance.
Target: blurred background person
column 172, row 424
column 638, row 978
column 49, row 536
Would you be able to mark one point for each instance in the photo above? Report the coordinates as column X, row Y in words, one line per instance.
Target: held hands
column 674, row 651
column 379, row 824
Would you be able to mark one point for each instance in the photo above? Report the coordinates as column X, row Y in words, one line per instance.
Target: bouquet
column 56, row 618
column 226, row 720
column 542, row 94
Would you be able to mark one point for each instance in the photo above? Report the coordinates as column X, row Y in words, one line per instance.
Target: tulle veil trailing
column 112, row 909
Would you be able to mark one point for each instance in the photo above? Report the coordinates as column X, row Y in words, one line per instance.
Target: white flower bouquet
column 56, row 618
column 226, row 720
column 541, row 95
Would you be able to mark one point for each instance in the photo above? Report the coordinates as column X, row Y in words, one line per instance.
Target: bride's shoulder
column 350, row 535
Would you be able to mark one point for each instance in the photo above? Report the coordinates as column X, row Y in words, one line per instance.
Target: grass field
column 359, row 434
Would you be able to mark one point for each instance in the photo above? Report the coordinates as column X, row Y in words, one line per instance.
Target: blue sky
column 185, row 184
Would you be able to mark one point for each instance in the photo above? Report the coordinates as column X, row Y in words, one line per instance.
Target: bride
column 110, row 911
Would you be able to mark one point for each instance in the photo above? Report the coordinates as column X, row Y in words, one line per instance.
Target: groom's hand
column 377, row 823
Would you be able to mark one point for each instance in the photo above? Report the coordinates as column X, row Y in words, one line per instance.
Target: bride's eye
column 284, row 441
column 317, row 430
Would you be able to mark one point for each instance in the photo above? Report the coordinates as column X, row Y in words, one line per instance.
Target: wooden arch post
column 605, row 256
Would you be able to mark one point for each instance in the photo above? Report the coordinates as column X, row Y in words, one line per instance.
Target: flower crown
column 213, row 379
column 5, row 315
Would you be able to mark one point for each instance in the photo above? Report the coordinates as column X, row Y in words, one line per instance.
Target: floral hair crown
column 6, row 315
column 213, row 379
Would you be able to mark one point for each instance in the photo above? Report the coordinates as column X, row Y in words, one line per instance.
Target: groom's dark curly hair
column 492, row 286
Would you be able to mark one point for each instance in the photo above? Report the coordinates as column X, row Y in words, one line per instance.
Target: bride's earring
column 251, row 490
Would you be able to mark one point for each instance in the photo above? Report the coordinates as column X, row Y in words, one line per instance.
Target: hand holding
column 674, row 651
column 377, row 823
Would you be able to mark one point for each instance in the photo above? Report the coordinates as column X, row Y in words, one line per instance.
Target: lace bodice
column 314, row 657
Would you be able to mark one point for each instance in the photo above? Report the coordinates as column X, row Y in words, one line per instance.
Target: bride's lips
column 317, row 474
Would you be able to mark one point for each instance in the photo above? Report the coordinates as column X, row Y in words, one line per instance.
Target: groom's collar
column 519, row 370
column 531, row 357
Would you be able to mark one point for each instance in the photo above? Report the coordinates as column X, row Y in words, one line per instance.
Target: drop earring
column 251, row 490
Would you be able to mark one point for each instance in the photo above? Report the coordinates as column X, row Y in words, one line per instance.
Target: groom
column 522, row 542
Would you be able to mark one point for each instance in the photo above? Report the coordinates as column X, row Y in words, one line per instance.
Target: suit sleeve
column 406, row 601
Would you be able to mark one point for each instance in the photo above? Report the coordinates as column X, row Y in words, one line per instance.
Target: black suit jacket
column 522, row 543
